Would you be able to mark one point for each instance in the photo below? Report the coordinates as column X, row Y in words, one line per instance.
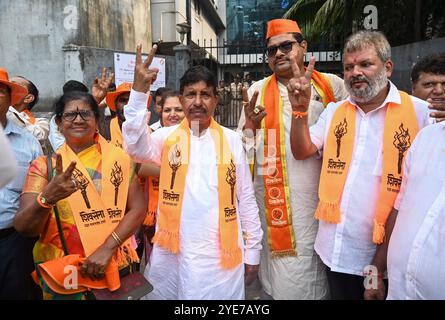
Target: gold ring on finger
column 256, row 110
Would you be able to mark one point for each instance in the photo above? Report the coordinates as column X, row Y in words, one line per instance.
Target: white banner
column 124, row 69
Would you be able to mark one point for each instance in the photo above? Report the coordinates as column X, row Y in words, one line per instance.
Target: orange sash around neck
column 31, row 117
column 97, row 215
column 400, row 129
column 116, row 133
column 153, row 182
column 174, row 166
column 323, row 87
column 153, row 195
column 280, row 233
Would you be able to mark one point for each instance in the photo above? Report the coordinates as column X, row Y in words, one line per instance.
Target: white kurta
column 303, row 276
column 195, row 273
column 416, row 255
column 347, row 247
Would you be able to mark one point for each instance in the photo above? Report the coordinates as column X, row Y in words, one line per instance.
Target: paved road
column 253, row 292
column 256, row 292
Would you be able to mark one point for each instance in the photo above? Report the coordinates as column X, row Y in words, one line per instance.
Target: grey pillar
column 182, row 61
column 73, row 66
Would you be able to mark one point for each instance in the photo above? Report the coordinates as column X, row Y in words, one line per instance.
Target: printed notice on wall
column 124, row 69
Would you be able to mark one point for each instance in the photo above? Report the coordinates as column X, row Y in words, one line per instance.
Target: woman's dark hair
column 73, row 85
column 433, row 63
column 168, row 94
column 196, row 74
column 75, row 95
column 160, row 91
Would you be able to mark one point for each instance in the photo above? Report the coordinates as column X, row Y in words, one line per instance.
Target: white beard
column 373, row 88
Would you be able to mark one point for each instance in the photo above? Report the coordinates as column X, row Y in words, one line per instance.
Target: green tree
column 403, row 21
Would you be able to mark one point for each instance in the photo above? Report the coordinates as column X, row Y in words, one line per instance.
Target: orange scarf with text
column 116, row 133
column 97, row 215
column 400, row 129
column 153, row 182
column 174, row 165
column 280, row 233
column 153, row 196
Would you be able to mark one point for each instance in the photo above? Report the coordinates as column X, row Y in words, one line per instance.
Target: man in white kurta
column 302, row 276
column 195, row 272
column 416, row 254
column 347, row 247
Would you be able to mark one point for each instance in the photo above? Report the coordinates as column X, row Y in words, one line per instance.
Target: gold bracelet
column 116, row 238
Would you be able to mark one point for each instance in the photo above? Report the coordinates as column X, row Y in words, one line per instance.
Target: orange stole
column 116, row 133
column 174, row 167
column 400, row 129
column 97, row 215
column 153, row 195
column 280, row 233
column 31, row 119
column 323, row 86
column 55, row 273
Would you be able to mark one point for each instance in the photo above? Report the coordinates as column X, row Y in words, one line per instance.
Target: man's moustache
column 193, row 110
column 359, row 79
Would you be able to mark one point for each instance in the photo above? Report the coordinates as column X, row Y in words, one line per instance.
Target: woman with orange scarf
column 100, row 204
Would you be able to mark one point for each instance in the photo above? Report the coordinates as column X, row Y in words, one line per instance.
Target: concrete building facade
column 52, row 41
column 207, row 19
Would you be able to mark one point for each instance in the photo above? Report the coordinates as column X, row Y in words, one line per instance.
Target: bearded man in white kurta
column 363, row 140
column 208, row 233
column 292, row 271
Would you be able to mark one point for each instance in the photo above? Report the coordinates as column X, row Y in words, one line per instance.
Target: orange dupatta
column 31, row 117
column 116, row 133
column 400, row 129
column 174, row 165
column 153, row 195
column 277, row 195
column 97, row 215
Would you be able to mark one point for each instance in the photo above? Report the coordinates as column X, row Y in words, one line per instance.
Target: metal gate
column 227, row 61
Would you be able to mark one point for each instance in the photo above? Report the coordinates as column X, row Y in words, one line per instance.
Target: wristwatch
column 41, row 200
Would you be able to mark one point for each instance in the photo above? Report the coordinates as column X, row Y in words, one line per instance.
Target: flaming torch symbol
column 231, row 178
column 117, row 177
column 340, row 130
column 82, row 183
column 402, row 143
column 174, row 161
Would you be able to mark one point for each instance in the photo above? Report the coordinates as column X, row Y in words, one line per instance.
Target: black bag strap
column 56, row 211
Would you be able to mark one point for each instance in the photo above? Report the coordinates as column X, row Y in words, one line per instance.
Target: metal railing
column 227, row 59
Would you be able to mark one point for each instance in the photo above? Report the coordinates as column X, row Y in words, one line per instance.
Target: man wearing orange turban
column 286, row 189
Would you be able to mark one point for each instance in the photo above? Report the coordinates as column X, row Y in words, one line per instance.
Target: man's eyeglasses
column 70, row 116
column 284, row 47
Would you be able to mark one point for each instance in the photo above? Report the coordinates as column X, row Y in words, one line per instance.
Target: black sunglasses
column 284, row 47
column 70, row 116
